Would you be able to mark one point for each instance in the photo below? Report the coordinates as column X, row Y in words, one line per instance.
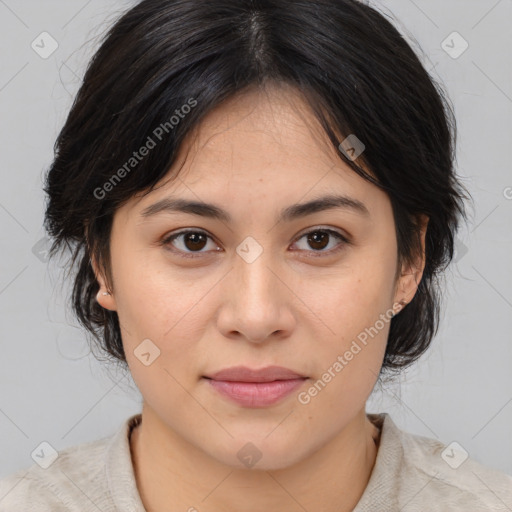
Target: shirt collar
column 380, row 493
column 119, row 468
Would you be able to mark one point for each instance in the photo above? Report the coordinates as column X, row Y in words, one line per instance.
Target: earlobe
column 106, row 300
column 104, row 297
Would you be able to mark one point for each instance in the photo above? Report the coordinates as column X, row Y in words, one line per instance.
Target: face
column 261, row 284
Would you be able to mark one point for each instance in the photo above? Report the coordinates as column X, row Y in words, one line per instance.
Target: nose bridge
column 256, row 307
column 255, row 284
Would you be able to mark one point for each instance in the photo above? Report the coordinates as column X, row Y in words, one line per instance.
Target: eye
column 189, row 242
column 319, row 239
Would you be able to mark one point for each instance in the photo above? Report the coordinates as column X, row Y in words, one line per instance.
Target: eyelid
column 167, row 239
column 345, row 241
column 321, row 227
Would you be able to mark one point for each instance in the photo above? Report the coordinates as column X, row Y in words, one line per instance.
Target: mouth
column 255, row 387
column 245, row 374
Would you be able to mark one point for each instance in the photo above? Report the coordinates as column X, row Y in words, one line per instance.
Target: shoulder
column 446, row 476
column 57, row 487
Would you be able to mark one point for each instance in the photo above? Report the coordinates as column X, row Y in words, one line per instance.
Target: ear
column 412, row 273
column 106, row 301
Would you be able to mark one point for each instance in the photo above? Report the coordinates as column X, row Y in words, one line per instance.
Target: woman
column 260, row 196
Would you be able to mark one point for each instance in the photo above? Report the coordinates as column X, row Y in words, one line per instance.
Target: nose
column 258, row 302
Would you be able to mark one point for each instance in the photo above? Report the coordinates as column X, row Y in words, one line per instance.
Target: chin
column 253, row 454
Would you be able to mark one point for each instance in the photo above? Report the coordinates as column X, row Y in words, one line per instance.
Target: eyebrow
column 295, row 211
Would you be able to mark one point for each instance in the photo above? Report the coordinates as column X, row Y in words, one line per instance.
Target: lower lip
column 256, row 394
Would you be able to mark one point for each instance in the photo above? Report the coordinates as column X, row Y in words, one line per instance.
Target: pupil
column 194, row 241
column 316, row 241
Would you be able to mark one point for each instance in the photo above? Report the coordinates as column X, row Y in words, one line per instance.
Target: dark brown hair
column 352, row 66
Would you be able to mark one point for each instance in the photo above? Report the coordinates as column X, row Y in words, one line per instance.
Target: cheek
column 163, row 325
column 347, row 362
column 355, row 309
column 150, row 298
column 169, row 309
column 353, row 297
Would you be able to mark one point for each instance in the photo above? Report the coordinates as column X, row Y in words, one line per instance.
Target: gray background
column 52, row 389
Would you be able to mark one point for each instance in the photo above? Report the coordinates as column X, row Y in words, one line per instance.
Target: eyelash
column 166, row 241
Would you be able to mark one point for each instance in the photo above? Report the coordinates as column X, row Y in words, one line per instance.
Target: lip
column 245, row 374
column 256, row 387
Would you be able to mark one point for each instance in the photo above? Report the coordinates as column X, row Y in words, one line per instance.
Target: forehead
column 267, row 127
column 260, row 145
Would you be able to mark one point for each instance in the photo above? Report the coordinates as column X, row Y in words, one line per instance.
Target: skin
column 253, row 156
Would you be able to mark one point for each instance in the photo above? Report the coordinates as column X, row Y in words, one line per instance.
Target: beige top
column 411, row 474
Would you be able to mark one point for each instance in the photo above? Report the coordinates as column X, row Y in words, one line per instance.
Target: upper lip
column 245, row 374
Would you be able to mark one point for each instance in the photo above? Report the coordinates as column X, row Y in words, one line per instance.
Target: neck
column 172, row 473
